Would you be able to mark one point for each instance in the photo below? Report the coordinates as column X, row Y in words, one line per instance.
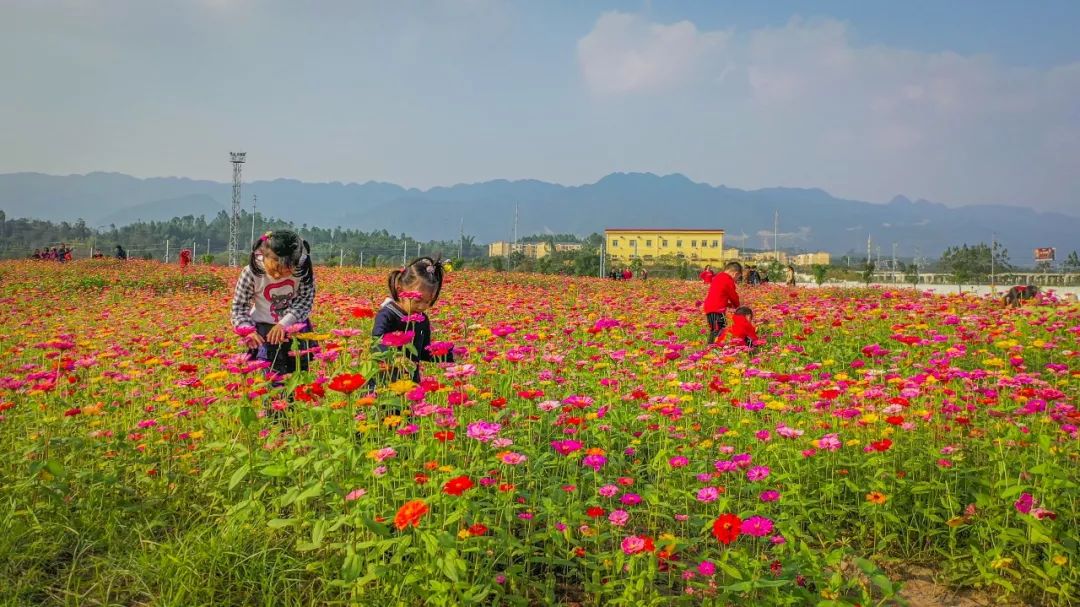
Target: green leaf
column 278, row 523
column 275, row 470
column 239, row 475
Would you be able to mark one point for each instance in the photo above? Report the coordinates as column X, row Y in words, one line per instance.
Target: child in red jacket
column 742, row 330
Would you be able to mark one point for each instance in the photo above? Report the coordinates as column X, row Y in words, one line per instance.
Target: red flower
column 347, row 383
column 477, row 529
column 457, row 485
column 895, row 420
column 726, row 528
column 420, row 478
column 881, row 445
column 498, row 403
column 362, row 312
column 308, row 393
column 595, row 512
column 72, row 412
column 444, row 435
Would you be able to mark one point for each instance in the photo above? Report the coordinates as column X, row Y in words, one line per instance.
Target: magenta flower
column 633, row 545
column 594, row 461
column 757, row 526
column 608, row 490
column 678, row 461
column 1024, row 504
column 708, row 494
column 630, row 499
column 244, row 330
column 618, row 517
column 706, row 568
column 566, row 447
column 770, row 495
column 397, row 339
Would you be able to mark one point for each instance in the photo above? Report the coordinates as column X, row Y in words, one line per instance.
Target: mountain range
column 809, row 219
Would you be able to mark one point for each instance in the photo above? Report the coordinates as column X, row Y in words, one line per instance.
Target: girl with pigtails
column 412, row 291
column 273, row 300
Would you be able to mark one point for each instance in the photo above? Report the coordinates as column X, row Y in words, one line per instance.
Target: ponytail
column 427, row 272
column 293, row 251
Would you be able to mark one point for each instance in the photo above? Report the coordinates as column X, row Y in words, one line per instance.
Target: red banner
column 1044, row 254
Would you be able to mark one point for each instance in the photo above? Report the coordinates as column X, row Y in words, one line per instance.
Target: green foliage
column 1072, row 263
column 968, row 264
column 821, row 273
column 868, row 273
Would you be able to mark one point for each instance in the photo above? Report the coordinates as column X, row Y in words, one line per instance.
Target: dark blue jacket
column 391, row 318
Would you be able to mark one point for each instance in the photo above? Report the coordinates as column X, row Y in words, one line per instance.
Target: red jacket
column 706, row 277
column 722, row 294
column 739, row 331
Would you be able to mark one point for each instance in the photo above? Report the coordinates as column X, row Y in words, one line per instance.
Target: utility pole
column 869, row 260
column 404, row 252
column 775, row 233
column 341, row 257
column 601, row 260
column 993, row 250
column 166, row 250
column 461, row 240
column 894, row 261
column 361, row 259
column 254, row 201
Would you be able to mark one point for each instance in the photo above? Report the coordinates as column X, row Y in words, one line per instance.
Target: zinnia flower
column 726, row 528
column 757, row 526
column 410, row 514
column 457, row 485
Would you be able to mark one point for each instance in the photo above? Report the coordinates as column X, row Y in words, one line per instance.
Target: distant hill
column 809, row 218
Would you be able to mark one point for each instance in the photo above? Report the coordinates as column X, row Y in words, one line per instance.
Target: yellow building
column 811, row 259
column 767, row 256
column 532, row 250
column 649, row 244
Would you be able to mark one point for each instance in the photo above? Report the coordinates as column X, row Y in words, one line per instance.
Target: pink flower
column 618, row 517
column 355, row 494
column 594, row 461
column 409, row 295
column 829, row 442
column 757, row 526
column 630, row 499
column 483, row 431
column 513, row 458
column 244, row 330
column 566, row 447
column 706, row 568
column 678, row 461
column 397, row 339
column 608, row 490
column 757, row 473
column 633, row 545
column 708, row 494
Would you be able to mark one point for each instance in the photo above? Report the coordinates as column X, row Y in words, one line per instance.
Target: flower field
column 585, row 448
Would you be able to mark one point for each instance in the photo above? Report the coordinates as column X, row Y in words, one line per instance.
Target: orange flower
column 876, row 497
column 410, row 514
column 347, row 383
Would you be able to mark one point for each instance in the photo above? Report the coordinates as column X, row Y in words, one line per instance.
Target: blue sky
column 959, row 102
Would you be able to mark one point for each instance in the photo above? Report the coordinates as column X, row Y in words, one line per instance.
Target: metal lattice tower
column 237, row 159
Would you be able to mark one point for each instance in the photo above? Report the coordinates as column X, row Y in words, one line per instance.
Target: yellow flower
column 402, row 386
column 1061, row 560
column 1001, row 563
column 463, row 534
column 392, row 420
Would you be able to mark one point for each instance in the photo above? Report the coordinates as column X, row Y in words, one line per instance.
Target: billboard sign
column 1044, row 254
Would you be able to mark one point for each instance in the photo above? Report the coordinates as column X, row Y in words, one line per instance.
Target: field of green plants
column 586, row 447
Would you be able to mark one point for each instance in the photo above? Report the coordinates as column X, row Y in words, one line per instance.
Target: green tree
column 968, row 264
column 911, row 273
column 1072, row 263
column 821, row 273
column 868, row 273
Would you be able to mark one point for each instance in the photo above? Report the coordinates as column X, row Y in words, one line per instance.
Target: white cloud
column 624, row 53
column 803, row 105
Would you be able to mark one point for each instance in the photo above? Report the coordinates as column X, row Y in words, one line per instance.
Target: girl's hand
column 253, row 341
column 276, row 335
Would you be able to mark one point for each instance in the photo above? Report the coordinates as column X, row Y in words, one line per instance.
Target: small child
column 742, row 328
column 275, row 292
column 413, row 290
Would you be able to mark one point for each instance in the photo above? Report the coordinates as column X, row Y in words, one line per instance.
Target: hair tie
column 265, row 236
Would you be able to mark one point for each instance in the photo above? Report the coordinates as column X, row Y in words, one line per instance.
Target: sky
column 960, row 102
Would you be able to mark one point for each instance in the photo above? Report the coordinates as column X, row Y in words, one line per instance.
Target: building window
column 633, row 244
column 648, row 243
column 678, row 244
column 693, row 244
column 663, row 243
column 715, row 243
column 614, row 243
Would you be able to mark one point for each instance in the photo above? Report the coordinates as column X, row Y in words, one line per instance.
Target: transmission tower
column 237, row 159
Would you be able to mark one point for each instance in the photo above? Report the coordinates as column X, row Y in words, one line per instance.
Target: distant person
column 707, row 275
column 790, row 275
column 742, row 330
column 120, row 252
column 36, row 255
column 721, row 296
column 1016, row 296
column 627, row 274
column 185, row 258
column 753, row 277
column 644, row 274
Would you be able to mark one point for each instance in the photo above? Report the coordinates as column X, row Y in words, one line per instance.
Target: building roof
column 713, row 231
